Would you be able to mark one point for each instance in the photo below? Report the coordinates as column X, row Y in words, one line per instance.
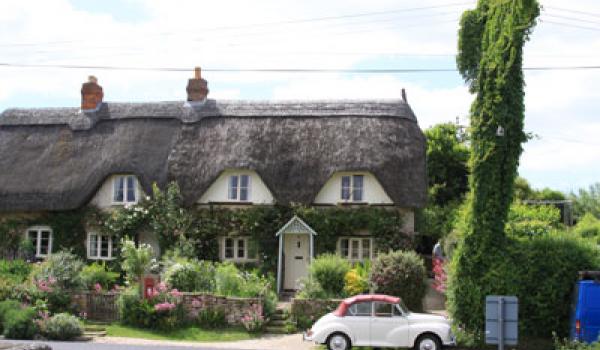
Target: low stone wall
column 306, row 311
column 103, row 306
column 234, row 308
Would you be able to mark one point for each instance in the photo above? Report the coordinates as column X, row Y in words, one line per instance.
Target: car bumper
column 306, row 337
column 450, row 342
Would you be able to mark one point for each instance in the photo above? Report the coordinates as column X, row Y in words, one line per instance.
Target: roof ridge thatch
column 57, row 158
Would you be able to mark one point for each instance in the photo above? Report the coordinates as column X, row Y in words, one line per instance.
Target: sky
column 561, row 105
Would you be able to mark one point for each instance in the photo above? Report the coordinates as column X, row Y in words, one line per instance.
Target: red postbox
column 149, row 284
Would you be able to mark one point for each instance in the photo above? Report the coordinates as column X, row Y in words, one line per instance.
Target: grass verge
column 192, row 333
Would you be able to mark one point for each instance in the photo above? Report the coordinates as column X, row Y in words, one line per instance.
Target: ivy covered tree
column 491, row 39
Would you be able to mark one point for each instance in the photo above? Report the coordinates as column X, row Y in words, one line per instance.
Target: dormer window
column 239, row 188
column 41, row 239
column 125, row 189
column 352, row 188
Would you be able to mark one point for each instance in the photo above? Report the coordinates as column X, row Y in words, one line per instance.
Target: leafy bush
column 62, row 327
column 532, row 220
column 19, row 323
column 97, row 273
column 330, row 270
column 211, row 318
column 16, row 270
column 588, row 227
column 357, row 279
column 135, row 311
column 253, row 320
column 540, row 271
column 136, row 260
column 567, row 344
column 228, row 280
column 401, row 274
column 63, row 267
column 5, row 307
column 310, row 289
column 191, row 276
column 161, row 310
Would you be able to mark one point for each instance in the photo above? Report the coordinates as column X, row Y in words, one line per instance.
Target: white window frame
column 238, row 190
column 126, row 200
column 236, row 256
column 360, row 240
column 352, row 188
column 99, row 247
column 38, row 245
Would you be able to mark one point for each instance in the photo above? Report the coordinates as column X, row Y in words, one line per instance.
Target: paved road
column 98, row 346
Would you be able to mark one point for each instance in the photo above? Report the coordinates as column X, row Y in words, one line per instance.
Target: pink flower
column 98, row 288
column 166, row 306
column 153, row 293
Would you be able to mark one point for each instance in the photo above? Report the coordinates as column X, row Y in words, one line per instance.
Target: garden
column 196, row 300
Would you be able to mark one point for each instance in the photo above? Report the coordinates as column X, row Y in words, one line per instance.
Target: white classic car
column 381, row 321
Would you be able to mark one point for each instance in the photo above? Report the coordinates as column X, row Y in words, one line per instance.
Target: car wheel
column 338, row 341
column 428, row 342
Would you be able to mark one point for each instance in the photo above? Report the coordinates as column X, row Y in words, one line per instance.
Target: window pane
column 44, row 242
column 233, row 187
column 228, row 248
column 118, row 189
column 244, row 187
column 104, row 246
column 93, row 244
column 354, row 250
column 366, row 249
column 131, row 189
column 345, row 187
column 241, row 248
column 243, row 194
column 357, row 188
column 383, row 310
column 344, row 248
column 363, row 309
column 33, row 237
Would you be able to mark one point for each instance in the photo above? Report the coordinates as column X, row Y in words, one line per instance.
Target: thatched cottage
column 220, row 152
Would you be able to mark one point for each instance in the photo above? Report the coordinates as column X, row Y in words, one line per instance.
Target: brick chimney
column 197, row 88
column 91, row 94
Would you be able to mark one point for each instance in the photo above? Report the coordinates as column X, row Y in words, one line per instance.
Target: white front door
column 296, row 251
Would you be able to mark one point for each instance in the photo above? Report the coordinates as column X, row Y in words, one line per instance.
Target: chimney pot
column 91, row 94
column 197, row 88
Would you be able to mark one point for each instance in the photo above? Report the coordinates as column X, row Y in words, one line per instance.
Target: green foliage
column 357, row 279
column 567, row 344
column 211, row 318
column 400, row 274
column 228, row 280
column 64, row 267
column 11, row 236
column 62, row 327
column 491, row 39
column 310, row 288
column 330, row 270
column 436, row 221
column 135, row 311
column 588, row 227
column 532, row 220
column 523, row 191
column 5, row 307
column 19, row 323
column 167, row 218
column 136, row 260
column 16, row 270
column 540, row 271
column 447, row 163
column 98, row 273
column 190, row 275
column 587, row 201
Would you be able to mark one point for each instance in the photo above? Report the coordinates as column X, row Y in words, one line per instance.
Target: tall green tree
column 447, row 163
column 490, row 58
column 587, row 201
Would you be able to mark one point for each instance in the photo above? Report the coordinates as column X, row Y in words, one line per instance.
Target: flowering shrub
column 162, row 309
column 357, row 279
column 439, row 272
column 254, row 320
column 61, row 327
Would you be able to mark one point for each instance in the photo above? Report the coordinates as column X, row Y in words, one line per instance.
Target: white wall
column 373, row 193
column 217, row 192
column 104, row 197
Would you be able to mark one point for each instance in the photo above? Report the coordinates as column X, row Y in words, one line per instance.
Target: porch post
column 279, row 262
column 311, row 252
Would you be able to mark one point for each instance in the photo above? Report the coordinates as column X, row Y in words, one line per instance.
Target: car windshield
column 403, row 307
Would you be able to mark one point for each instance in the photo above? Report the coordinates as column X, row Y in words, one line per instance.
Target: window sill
column 240, row 261
column 350, row 203
column 100, row 258
column 231, row 203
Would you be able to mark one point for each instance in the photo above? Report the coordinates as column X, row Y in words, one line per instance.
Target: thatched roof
column 56, row 159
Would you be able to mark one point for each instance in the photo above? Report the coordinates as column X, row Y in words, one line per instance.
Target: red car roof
column 346, row 303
